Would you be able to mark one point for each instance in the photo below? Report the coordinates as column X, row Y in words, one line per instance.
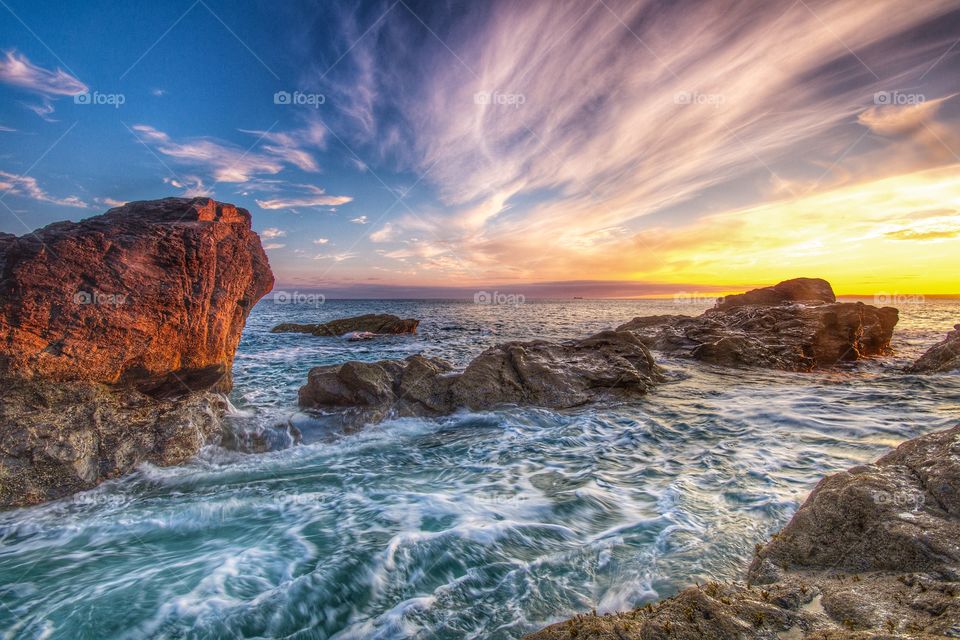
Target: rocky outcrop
column 941, row 357
column 371, row 323
column 147, row 293
column 608, row 366
column 793, row 326
column 872, row 553
column 809, row 290
column 116, row 333
column 57, row 438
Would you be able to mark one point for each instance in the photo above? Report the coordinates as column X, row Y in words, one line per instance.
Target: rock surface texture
column 376, row 323
column 796, row 326
column 116, row 333
column 941, row 357
column 874, row 552
column 608, row 366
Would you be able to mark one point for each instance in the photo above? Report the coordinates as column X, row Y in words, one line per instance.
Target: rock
column 609, row 365
column 371, row 323
column 153, row 293
column 941, row 357
column 606, row 366
column 872, row 553
column 57, row 438
column 809, row 290
column 372, row 391
column 116, row 333
column 784, row 334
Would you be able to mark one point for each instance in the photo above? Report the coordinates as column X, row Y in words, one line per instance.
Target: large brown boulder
column 146, row 293
column 794, row 331
column 378, row 323
column 872, row 553
column 607, row 366
column 941, row 357
column 116, row 333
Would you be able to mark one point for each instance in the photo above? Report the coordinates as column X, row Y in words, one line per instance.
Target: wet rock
column 371, row 323
column 606, row 366
column 872, row 553
column 116, row 333
column 793, row 326
column 941, row 357
column 57, row 438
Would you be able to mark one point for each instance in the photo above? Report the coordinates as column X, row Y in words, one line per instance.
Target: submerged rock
column 795, row 326
column 609, row 365
column 871, row 553
column 116, row 332
column 371, row 323
column 941, row 357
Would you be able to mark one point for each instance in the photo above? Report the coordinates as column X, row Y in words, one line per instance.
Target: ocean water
column 477, row 525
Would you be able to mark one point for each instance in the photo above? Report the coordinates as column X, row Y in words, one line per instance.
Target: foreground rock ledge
column 376, row 323
column 116, row 333
column 796, row 325
column 608, row 366
column 874, row 552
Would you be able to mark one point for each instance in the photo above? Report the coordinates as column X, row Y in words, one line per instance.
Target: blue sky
column 458, row 144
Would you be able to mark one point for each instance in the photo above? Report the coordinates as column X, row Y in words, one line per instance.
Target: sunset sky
column 538, row 146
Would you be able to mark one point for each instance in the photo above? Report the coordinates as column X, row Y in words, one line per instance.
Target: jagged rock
column 799, row 331
column 116, row 332
column 609, row 365
column 145, row 291
column 371, row 323
column 872, row 553
column 941, row 357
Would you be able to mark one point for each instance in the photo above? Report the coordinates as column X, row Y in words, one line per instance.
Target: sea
column 484, row 525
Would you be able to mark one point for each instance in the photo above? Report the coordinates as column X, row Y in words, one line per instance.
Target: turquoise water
column 479, row 525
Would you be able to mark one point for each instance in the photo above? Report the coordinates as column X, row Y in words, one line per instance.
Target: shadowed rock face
column 873, row 552
column 116, row 332
column 381, row 323
column 140, row 294
column 57, row 438
column 609, row 365
column 941, row 357
column 784, row 333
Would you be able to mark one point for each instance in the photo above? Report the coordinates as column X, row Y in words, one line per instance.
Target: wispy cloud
column 272, row 232
column 315, row 197
column 192, row 186
column 17, row 70
column 27, row 187
column 360, row 220
column 273, row 245
column 553, row 132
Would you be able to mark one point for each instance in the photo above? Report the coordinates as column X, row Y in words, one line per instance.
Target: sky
column 537, row 147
